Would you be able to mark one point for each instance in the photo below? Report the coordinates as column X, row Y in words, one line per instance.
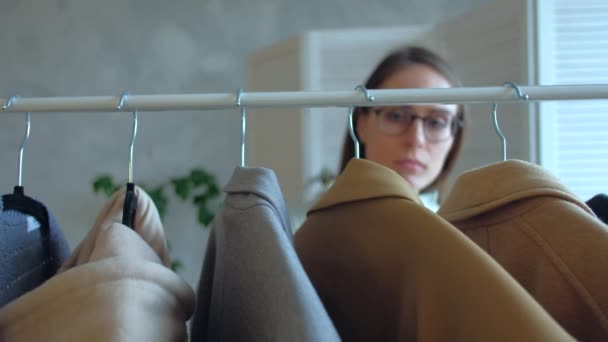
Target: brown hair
column 392, row 63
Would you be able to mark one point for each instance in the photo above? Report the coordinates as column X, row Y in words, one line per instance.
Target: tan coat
column 116, row 286
column 542, row 235
column 387, row 269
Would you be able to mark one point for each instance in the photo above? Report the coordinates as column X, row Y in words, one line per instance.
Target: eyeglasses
column 437, row 126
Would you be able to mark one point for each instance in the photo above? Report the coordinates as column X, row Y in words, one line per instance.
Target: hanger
column 130, row 205
column 18, row 201
column 18, row 190
column 518, row 92
column 32, row 251
column 19, row 187
column 521, row 96
column 351, row 125
column 239, row 95
column 599, row 205
column 9, row 102
column 20, row 168
column 503, row 140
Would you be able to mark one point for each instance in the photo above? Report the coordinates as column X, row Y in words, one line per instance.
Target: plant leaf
column 159, row 198
column 213, row 190
column 182, row 187
column 176, row 265
column 200, row 177
column 104, row 184
column 200, row 200
column 204, row 216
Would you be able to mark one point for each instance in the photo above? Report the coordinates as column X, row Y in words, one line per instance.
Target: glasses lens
column 437, row 126
column 393, row 121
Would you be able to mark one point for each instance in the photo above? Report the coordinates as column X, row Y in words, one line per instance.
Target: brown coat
column 542, row 235
column 387, row 269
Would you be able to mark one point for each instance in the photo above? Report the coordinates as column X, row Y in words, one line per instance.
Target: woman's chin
column 413, row 181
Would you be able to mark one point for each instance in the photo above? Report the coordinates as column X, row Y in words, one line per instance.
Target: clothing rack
column 166, row 102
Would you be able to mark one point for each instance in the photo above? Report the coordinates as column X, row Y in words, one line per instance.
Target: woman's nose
column 414, row 133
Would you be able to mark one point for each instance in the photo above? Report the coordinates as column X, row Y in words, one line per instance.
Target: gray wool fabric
column 252, row 285
column 30, row 252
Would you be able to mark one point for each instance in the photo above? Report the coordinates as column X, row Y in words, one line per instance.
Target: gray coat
column 252, row 286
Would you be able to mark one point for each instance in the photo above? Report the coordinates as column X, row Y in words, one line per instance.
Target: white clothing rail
column 166, row 102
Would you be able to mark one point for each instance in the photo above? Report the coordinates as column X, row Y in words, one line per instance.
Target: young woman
column 419, row 142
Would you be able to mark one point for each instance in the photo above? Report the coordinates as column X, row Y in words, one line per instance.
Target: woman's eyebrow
column 442, row 111
column 433, row 110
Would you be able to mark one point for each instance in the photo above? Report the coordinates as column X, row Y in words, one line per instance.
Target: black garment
column 32, row 245
column 599, row 205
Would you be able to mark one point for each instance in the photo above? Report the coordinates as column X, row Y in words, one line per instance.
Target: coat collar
column 261, row 182
column 364, row 180
column 496, row 185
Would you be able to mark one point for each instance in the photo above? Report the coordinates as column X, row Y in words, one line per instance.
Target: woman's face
column 410, row 153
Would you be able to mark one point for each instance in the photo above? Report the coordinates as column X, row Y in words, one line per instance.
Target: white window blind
column 573, row 49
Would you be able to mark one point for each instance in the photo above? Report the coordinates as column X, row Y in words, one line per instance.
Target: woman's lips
column 411, row 165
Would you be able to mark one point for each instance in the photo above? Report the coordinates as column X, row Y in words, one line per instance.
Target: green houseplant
column 198, row 187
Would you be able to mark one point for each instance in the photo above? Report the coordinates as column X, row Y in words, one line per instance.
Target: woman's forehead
column 431, row 107
column 415, row 76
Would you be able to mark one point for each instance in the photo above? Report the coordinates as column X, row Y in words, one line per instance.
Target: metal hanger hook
column 351, row 120
column 119, row 106
column 239, row 95
column 9, row 103
column 368, row 97
column 25, row 139
column 518, row 91
column 503, row 140
column 131, row 145
column 121, row 101
column 130, row 203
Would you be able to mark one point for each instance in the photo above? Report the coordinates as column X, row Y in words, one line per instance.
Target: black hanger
column 26, row 264
column 18, row 200
column 599, row 205
column 130, row 206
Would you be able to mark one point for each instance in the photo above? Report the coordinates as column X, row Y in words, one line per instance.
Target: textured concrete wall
column 85, row 47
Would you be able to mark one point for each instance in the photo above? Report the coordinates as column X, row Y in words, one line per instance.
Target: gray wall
column 84, row 47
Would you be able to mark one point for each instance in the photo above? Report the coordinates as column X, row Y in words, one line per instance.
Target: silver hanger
column 239, row 95
column 353, row 135
column 25, row 139
column 520, row 94
column 503, row 140
column 6, row 106
column 133, row 136
column 130, row 203
column 121, row 102
column 10, row 102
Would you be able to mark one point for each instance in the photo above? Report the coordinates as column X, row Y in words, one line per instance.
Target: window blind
column 573, row 49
